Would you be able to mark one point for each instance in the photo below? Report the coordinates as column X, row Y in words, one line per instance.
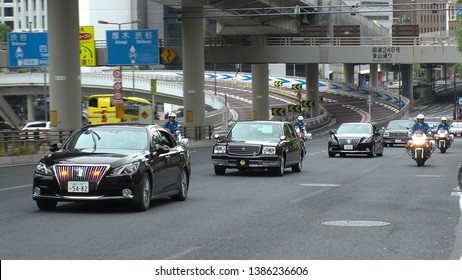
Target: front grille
column 90, row 173
column 353, row 141
column 244, row 150
column 398, row 134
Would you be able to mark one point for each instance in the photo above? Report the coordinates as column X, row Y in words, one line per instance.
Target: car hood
column 113, row 159
column 269, row 142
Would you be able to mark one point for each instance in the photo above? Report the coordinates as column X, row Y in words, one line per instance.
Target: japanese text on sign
column 384, row 53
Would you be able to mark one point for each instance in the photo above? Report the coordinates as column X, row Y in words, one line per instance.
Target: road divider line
column 16, row 187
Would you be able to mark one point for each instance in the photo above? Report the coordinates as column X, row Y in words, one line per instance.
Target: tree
column 4, row 30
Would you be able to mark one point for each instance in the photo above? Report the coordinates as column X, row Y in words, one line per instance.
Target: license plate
column 348, row 147
column 397, row 140
column 77, row 187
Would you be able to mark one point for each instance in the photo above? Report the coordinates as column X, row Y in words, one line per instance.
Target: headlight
column 386, row 134
column 269, row 150
column 366, row 140
column 126, row 169
column 219, row 149
column 43, row 169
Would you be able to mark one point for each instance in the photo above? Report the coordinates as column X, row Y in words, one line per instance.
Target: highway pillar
column 349, row 73
column 312, row 88
column 64, row 64
column 429, row 74
column 193, row 68
column 407, row 86
column 260, row 92
column 30, row 108
column 374, row 75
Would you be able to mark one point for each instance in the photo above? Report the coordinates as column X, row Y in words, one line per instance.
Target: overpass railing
column 317, row 41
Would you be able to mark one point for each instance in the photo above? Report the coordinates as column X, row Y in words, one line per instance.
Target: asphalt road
column 350, row 208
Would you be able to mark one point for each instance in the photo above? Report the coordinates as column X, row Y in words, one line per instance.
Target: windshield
column 399, row 125
column 249, row 131
column 457, row 124
column 109, row 139
column 354, row 128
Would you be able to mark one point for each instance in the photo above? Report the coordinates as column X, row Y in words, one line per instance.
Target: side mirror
column 162, row 149
column 56, row 147
column 282, row 137
column 332, row 131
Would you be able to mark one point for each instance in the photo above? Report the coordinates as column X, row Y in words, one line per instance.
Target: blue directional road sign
column 27, row 49
column 132, row 47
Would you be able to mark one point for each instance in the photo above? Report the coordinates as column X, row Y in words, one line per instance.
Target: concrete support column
column 312, row 88
column 30, row 108
column 429, row 75
column 444, row 72
column 407, row 88
column 349, row 73
column 193, row 67
column 260, row 92
column 374, row 75
column 64, row 64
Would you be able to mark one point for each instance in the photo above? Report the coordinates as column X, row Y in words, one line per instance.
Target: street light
column 120, row 27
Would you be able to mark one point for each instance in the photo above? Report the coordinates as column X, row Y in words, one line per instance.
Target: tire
column 331, row 154
column 280, row 170
column 143, row 196
column 299, row 166
column 219, row 170
column 184, row 187
column 419, row 159
column 46, row 204
column 372, row 152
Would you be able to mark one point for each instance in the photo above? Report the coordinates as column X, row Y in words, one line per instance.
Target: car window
column 399, row 125
column 167, row 139
column 354, row 128
column 246, row 131
column 98, row 138
column 289, row 131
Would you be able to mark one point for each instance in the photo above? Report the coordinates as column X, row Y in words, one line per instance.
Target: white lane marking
column 184, row 253
column 320, row 185
column 299, row 199
column 16, row 187
column 430, row 176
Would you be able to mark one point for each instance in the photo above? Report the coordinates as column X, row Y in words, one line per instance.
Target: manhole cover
column 356, row 223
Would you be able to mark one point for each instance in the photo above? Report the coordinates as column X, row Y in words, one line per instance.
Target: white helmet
column 172, row 115
column 444, row 119
column 300, row 118
column 420, row 116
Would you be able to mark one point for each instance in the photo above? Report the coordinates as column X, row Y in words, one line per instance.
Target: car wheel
column 331, row 154
column 299, row 166
column 280, row 170
column 372, row 152
column 219, row 170
column 184, row 186
column 143, row 197
column 46, row 204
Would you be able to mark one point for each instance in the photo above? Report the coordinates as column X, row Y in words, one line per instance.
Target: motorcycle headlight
column 43, row 169
column 420, row 141
column 126, row 169
column 269, row 150
column 219, row 149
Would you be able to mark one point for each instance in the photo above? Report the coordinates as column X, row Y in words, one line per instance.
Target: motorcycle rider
column 420, row 124
column 300, row 124
column 444, row 124
column 171, row 124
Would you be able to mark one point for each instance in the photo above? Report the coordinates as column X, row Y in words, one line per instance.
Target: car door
column 158, row 163
column 293, row 144
column 173, row 162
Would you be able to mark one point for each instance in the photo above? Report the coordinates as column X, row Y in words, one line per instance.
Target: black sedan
column 355, row 138
column 133, row 162
column 397, row 132
column 259, row 145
